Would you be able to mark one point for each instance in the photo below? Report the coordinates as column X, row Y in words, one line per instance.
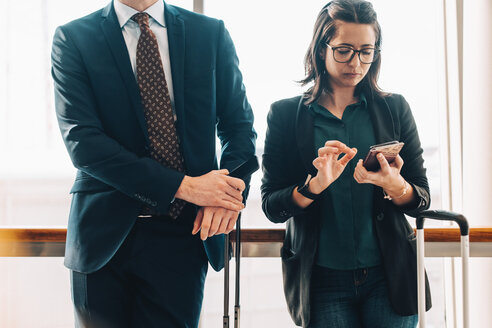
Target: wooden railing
column 35, row 242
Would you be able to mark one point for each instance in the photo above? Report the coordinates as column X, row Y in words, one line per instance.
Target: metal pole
column 226, row 282
column 421, row 277
column 237, row 308
column 465, row 254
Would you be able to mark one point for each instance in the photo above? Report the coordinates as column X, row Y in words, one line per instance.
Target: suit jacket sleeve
column 234, row 115
column 279, row 180
column 413, row 168
column 90, row 148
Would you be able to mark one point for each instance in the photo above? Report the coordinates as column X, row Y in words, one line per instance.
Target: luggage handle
column 465, row 253
column 443, row 216
column 237, row 254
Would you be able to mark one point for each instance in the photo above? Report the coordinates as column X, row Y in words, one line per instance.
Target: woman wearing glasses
column 348, row 258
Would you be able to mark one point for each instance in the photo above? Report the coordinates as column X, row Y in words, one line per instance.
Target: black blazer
column 101, row 118
column 287, row 159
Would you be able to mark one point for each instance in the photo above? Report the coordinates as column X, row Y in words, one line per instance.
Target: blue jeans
column 353, row 299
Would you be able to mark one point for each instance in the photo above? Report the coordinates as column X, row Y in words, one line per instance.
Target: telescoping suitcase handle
column 465, row 254
column 237, row 254
column 243, row 171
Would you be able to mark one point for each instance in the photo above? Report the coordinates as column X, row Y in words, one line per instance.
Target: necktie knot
column 142, row 20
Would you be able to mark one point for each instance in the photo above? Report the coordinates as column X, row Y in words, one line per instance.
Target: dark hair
column 325, row 29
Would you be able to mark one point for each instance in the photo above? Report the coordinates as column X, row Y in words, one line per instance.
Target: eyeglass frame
column 376, row 53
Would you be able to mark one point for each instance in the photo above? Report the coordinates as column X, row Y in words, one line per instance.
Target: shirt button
column 380, row 216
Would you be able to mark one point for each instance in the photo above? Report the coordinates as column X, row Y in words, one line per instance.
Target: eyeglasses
column 345, row 54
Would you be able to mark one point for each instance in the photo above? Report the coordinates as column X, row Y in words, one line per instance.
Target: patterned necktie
column 164, row 143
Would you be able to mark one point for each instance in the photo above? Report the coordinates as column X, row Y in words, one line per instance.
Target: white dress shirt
column 131, row 33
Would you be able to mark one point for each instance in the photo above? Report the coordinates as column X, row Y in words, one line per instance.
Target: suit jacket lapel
column 176, row 39
column 384, row 129
column 116, row 42
column 305, row 136
column 382, row 120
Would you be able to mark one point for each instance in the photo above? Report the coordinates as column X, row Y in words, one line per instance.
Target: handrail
column 250, row 235
column 20, row 242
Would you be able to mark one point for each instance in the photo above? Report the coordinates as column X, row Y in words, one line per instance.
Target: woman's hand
column 388, row 177
column 329, row 166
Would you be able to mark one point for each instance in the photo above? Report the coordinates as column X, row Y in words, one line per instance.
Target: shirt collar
column 124, row 12
column 317, row 109
column 362, row 100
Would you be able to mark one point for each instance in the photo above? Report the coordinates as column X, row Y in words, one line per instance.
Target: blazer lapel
column 305, row 136
column 116, row 42
column 384, row 129
column 382, row 120
column 176, row 39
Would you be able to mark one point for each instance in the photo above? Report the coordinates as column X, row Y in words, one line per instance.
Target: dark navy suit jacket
column 101, row 119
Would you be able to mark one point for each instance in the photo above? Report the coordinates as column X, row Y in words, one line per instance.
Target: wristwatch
column 304, row 189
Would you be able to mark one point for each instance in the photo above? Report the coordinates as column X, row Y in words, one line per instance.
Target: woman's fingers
column 361, row 175
column 385, row 167
column 333, row 147
column 327, row 150
column 348, row 156
column 398, row 162
column 337, row 144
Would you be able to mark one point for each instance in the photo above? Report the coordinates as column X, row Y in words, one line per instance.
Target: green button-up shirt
column 347, row 235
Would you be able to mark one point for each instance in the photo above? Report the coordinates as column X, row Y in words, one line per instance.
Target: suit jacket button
column 154, row 203
column 380, row 216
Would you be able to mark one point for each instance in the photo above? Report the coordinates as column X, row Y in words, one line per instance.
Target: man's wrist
column 184, row 187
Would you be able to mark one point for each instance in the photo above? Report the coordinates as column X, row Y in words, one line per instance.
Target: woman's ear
column 322, row 53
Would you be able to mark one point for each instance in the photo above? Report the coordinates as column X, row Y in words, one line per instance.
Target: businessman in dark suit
column 142, row 89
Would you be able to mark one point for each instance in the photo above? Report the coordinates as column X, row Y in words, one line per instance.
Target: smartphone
column 245, row 169
column 389, row 149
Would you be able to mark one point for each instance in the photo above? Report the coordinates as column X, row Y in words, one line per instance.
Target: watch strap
column 304, row 189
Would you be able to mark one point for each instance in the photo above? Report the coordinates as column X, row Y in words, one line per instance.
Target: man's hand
column 215, row 188
column 213, row 221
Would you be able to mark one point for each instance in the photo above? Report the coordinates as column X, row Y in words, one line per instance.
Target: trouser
column 155, row 279
column 353, row 299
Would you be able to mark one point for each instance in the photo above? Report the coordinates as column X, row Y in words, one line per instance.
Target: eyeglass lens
column 343, row 54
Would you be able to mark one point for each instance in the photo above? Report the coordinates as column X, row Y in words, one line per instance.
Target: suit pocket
column 89, row 184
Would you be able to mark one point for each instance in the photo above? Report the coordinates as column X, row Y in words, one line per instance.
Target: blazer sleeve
column 413, row 169
column 234, row 114
column 279, row 179
column 91, row 150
